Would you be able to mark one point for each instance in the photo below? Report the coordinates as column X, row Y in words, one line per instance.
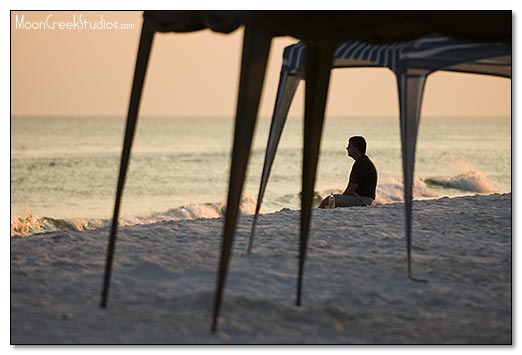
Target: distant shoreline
column 32, row 225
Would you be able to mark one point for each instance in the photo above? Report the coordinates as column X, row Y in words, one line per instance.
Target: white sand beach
column 356, row 289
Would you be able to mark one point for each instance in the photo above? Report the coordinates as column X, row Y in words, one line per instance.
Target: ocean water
column 64, row 170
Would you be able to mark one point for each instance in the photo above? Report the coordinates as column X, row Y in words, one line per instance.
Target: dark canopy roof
column 339, row 26
column 433, row 52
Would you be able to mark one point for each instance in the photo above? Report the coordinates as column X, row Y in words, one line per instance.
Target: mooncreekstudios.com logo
column 78, row 23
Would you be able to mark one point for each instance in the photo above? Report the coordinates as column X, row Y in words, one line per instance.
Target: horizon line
column 113, row 116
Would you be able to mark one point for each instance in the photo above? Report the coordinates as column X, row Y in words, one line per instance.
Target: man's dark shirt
column 364, row 175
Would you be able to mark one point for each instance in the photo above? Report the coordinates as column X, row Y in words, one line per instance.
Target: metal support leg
column 147, row 36
column 411, row 88
column 256, row 46
column 318, row 66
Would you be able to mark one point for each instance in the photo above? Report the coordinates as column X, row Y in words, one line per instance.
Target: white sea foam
column 392, row 191
column 30, row 224
column 387, row 192
column 473, row 181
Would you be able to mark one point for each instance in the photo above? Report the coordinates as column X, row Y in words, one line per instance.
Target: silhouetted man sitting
column 363, row 178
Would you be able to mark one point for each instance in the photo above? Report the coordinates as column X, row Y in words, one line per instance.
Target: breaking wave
column 392, row 191
column 387, row 192
column 472, row 181
column 30, row 224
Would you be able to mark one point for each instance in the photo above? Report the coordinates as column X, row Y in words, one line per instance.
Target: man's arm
column 350, row 189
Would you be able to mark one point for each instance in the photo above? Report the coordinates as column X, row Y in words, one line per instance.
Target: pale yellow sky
column 89, row 72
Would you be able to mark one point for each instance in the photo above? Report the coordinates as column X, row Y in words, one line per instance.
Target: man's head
column 356, row 146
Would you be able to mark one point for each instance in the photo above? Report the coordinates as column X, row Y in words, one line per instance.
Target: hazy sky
column 89, row 72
